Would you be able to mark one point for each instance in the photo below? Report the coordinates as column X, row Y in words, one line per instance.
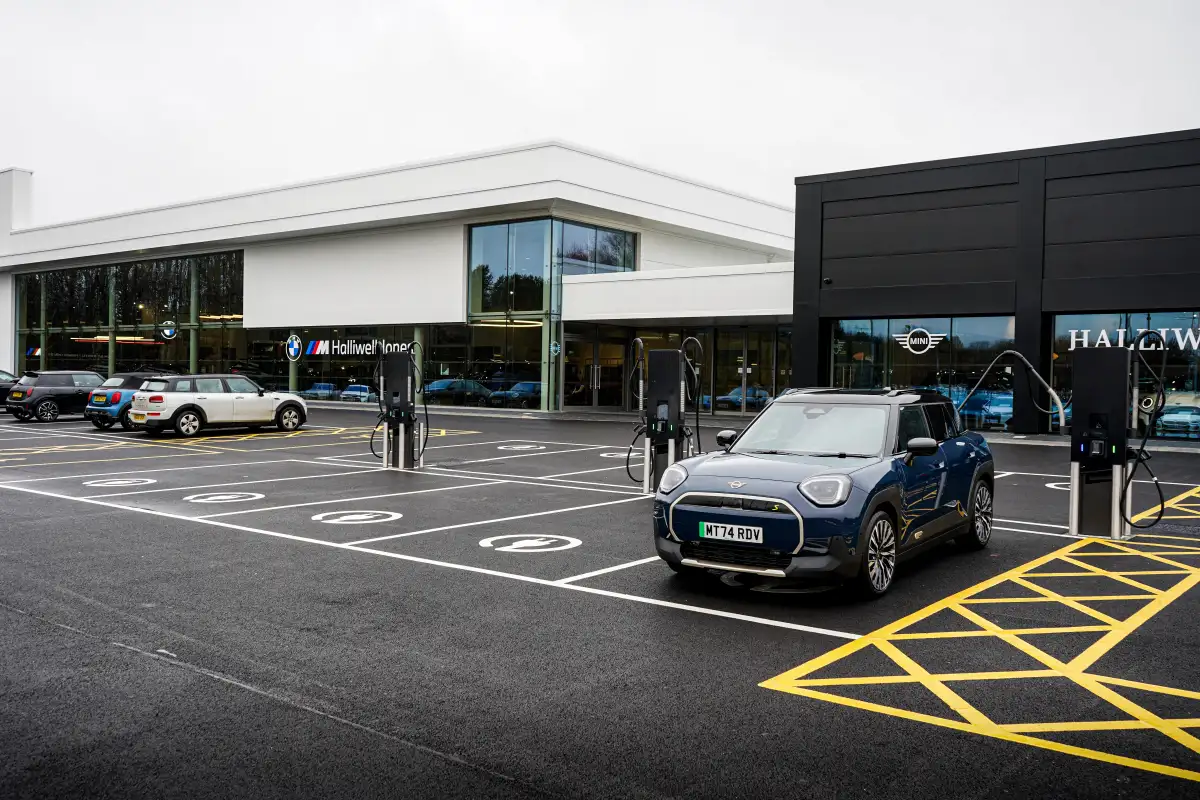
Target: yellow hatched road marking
column 1174, row 502
column 963, row 716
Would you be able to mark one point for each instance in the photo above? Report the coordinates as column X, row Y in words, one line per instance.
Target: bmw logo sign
column 168, row 330
column 293, row 348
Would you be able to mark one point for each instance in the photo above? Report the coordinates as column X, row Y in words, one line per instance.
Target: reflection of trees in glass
column 77, row 297
column 610, row 249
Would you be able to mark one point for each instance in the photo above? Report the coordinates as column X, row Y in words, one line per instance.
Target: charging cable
column 1140, row 457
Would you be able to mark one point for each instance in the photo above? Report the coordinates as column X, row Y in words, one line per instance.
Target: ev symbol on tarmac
column 114, row 483
column 531, row 544
column 356, row 517
column 520, row 447
column 223, row 497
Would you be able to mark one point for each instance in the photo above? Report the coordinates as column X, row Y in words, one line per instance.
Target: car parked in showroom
column 187, row 404
column 109, row 403
column 358, row 393
column 456, row 392
column 757, row 398
column 44, row 395
column 527, row 394
column 829, row 485
column 1178, row 421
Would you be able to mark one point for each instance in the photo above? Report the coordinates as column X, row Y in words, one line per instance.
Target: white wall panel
column 713, row 292
column 667, row 251
column 408, row 276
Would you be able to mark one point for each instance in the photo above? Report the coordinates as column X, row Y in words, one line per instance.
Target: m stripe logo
column 317, row 347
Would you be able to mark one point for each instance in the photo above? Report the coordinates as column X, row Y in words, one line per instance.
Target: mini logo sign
column 736, row 484
column 167, row 330
column 293, row 347
column 919, row 341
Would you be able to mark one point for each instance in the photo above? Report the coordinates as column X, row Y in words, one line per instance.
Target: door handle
column 201, row 397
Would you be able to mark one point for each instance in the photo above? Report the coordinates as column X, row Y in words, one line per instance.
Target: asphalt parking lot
column 271, row 615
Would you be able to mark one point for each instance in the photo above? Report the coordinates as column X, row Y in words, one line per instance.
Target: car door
column 214, row 400
column 248, row 406
column 82, row 383
column 921, row 517
column 958, row 453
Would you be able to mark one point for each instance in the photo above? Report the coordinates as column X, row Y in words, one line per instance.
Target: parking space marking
column 347, row 499
column 634, row 465
column 536, row 455
column 161, row 469
column 500, row 519
column 233, row 483
column 105, row 460
column 712, row 612
column 607, row 570
column 1053, row 475
column 1030, row 577
column 561, row 482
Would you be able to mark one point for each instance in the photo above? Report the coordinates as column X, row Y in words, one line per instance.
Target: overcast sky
column 131, row 103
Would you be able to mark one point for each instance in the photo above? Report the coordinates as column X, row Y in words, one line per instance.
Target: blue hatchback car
column 109, row 402
column 829, row 485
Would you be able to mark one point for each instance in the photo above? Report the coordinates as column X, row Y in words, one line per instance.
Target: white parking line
column 1063, row 477
column 233, row 483
column 1001, row 475
column 500, row 519
column 1028, row 522
column 563, row 482
column 712, row 612
column 606, row 570
column 1039, row 533
column 144, row 471
column 635, row 464
column 534, row 455
column 348, row 499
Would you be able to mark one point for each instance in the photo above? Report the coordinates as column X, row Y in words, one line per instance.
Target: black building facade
column 1041, row 250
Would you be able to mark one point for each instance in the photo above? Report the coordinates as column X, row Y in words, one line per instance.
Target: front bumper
column 837, row 564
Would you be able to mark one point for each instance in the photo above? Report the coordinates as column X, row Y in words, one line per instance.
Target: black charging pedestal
column 397, row 392
column 1100, row 422
column 664, row 409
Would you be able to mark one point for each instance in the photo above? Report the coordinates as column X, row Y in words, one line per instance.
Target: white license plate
column 138, row 417
column 732, row 533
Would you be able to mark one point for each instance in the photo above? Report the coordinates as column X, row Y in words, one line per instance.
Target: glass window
column 578, row 249
column 529, row 264
column 182, row 386
column 489, row 269
column 29, row 299
column 76, row 351
column 241, row 385
column 912, row 426
column 55, row 380
column 860, row 353
column 920, row 356
column 153, row 292
column 938, row 427
column 113, row 383
column 817, row 428
column 210, row 385
column 77, row 297
column 161, row 386
column 610, row 250
column 219, row 284
column 86, row 380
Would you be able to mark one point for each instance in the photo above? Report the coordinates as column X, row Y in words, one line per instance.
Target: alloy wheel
column 189, row 424
column 881, row 555
column 289, row 420
column 983, row 513
column 47, row 411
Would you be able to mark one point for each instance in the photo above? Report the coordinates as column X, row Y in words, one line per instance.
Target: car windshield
column 440, row 384
column 113, row 382
column 525, row 387
column 814, row 428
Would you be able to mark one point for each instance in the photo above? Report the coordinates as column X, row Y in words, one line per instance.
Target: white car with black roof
column 187, row 404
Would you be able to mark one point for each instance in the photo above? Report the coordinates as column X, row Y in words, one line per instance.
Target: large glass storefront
column 1180, row 329
column 943, row 354
column 173, row 314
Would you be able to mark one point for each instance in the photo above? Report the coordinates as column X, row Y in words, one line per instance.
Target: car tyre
column 878, row 569
column 46, row 411
column 979, row 519
column 289, row 419
column 102, row 424
column 188, row 423
column 126, row 422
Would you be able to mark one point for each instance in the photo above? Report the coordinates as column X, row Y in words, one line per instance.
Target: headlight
column 825, row 490
column 672, row 477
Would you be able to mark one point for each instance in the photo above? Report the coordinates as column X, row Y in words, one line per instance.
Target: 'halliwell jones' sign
column 353, row 347
column 1179, row 338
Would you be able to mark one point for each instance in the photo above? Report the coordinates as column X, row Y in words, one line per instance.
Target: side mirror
column 262, row 392
column 922, row 446
column 725, row 438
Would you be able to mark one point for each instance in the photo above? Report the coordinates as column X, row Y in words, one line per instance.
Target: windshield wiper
column 773, row 452
column 798, row 453
column 839, row 455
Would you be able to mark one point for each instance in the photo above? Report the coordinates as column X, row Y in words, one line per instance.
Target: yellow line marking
column 1172, row 503
column 797, row 681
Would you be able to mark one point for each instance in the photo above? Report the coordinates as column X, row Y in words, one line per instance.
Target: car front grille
column 733, row 501
column 735, row 554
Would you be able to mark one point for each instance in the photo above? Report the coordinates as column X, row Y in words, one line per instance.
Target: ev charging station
column 663, row 380
column 404, row 435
